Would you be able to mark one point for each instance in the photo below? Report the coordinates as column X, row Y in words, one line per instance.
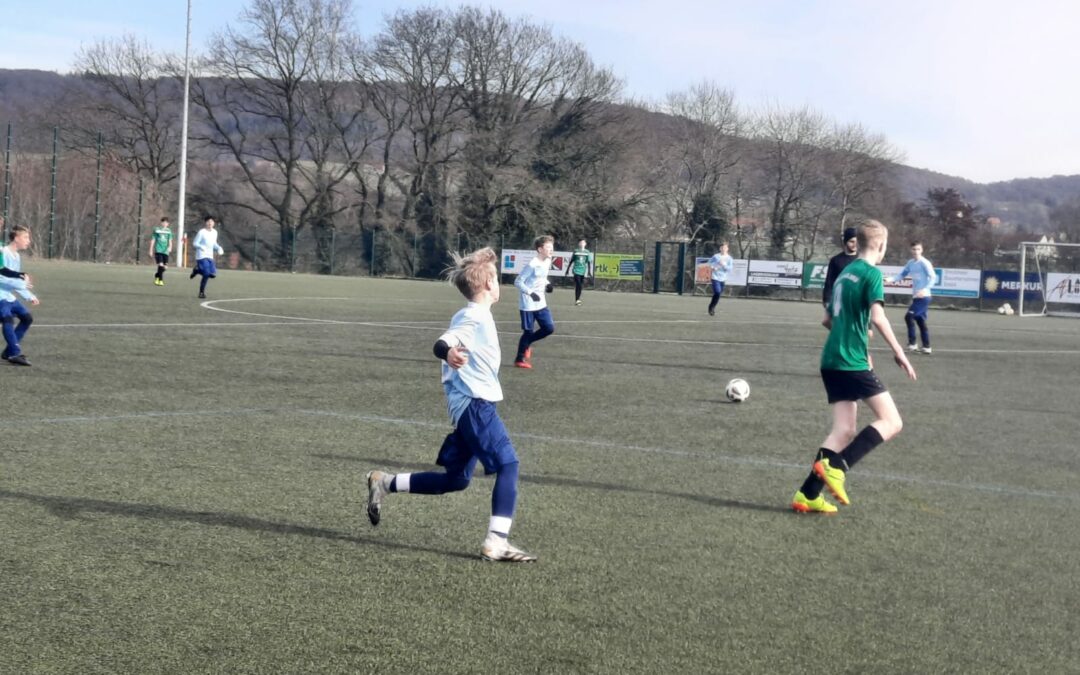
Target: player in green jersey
column 858, row 300
column 581, row 265
column 160, row 248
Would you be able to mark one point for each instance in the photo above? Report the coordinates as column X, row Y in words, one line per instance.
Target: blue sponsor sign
column 1003, row 285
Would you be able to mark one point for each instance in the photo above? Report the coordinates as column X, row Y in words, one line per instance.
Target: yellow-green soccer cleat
column 834, row 480
column 800, row 504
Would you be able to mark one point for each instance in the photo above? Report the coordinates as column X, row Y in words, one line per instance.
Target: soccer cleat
column 499, row 549
column 528, row 354
column 577, row 302
column 522, row 364
column 926, row 350
column 18, row 360
column 202, row 295
column 193, row 273
column 800, row 504
column 378, row 486
column 712, row 312
column 834, row 480
column 913, row 348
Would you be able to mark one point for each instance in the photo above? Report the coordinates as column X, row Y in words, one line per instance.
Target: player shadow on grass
column 72, row 507
column 575, row 483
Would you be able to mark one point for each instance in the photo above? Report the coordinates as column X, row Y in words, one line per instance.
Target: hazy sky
column 982, row 89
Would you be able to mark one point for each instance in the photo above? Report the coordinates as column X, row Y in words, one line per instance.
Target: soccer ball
column 1006, row 309
column 738, row 390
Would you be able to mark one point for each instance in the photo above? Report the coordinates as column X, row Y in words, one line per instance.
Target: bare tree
column 133, row 102
column 270, row 105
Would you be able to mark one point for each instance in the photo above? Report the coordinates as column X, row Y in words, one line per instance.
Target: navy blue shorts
column 919, row 308
column 540, row 316
column 12, row 308
column 206, row 267
column 851, row 385
column 480, row 435
column 717, row 287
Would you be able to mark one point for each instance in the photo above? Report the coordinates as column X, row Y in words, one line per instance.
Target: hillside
column 28, row 99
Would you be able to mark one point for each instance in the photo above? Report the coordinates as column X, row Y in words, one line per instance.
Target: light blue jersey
column 922, row 275
column 13, row 261
column 720, row 264
column 473, row 328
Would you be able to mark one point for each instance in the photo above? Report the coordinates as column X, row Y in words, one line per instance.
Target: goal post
column 1057, row 266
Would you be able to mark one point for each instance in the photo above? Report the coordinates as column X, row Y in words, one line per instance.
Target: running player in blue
column 205, row 245
column 12, row 278
column 721, row 265
column 533, row 287
column 858, row 300
column 923, row 277
column 470, row 377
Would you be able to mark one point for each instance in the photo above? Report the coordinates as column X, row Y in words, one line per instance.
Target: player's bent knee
column 457, row 484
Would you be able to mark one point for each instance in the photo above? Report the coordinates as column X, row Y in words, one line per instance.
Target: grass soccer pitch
column 182, row 489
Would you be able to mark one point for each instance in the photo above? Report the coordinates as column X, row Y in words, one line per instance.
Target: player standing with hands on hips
column 206, row 246
column 532, row 284
column 470, row 377
column 858, row 300
column 923, row 277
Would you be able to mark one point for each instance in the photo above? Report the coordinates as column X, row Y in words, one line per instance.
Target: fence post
column 333, row 248
column 138, row 227
column 97, row 201
column 52, row 190
column 255, row 250
column 7, row 180
column 292, row 255
column 373, row 233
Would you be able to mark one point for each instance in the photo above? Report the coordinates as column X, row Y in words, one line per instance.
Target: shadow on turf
column 71, row 507
column 574, row 483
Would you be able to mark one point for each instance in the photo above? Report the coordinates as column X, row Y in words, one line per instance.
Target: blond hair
column 470, row 273
column 869, row 233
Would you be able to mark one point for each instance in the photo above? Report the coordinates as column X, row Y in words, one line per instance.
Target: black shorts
column 161, row 258
column 851, row 385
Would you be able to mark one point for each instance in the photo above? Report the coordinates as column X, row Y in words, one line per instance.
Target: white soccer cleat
column 499, row 549
column 378, row 486
column 913, row 348
column 926, row 350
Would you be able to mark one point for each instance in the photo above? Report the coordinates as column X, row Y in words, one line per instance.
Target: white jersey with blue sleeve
column 922, row 275
column 10, row 259
column 533, row 279
column 473, row 328
column 721, row 265
column 205, row 244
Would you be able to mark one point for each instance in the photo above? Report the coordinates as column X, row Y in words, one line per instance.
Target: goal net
column 1058, row 269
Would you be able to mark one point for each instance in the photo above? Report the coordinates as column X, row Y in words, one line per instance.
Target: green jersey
column 858, row 287
column 579, row 261
column 162, row 238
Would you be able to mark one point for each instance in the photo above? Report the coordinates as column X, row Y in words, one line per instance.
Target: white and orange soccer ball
column 738, row 390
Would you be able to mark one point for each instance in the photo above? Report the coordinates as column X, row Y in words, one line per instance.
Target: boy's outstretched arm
column 881, row 322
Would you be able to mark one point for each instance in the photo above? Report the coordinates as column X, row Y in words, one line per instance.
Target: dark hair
column 16, row 230
column 164, row 219
column 208, row 217
column 916, row 242
column 543, row 239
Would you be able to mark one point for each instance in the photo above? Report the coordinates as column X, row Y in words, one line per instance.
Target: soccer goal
column 1058, row 269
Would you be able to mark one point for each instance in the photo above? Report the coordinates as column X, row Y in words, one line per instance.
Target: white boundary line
column 576, row 442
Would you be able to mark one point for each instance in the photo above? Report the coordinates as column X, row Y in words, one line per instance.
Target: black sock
column 811, row 487
column 868, row 439
column 202, row 284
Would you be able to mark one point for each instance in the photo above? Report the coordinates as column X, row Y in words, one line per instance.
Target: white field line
column 573, row 442
column 287, row 320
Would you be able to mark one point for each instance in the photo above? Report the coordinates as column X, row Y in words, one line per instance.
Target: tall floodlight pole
column 183, row 145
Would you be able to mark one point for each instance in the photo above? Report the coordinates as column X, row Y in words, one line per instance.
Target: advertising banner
column 513, row 260
column 775, row 273
column 703, row 273
column 1003, row 285
column 622, row 267
column 951, row 283
column 1063, row 288
column 814, row 275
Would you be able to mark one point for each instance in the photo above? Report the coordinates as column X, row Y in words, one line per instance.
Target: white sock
column 402, row 482
column 500, row 525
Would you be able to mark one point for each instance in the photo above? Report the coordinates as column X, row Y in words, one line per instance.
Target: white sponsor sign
column 775, row 273
column 1063, row 288
column 514, row 260
column 736, row 277
column 954, row 283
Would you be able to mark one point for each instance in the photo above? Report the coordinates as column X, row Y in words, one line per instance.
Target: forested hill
column 28, row 100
